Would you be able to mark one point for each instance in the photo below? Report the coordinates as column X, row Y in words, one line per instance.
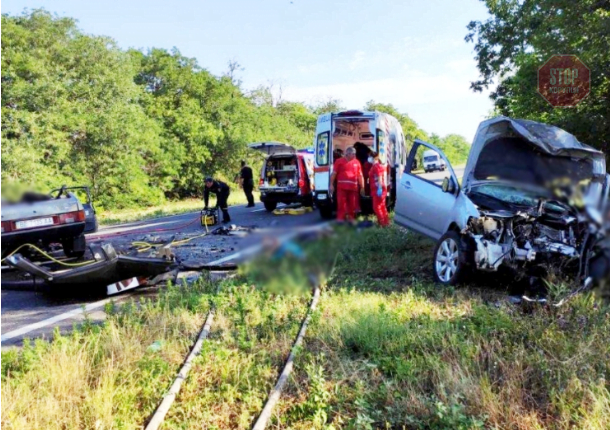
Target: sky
column 410, row 53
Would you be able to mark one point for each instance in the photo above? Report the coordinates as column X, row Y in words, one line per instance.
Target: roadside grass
column 386, row 349
column 103, row 376
column 120, row 216
column 389, row 349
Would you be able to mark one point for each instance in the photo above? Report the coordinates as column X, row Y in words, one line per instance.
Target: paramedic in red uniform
column 348, row 173
column 379, row 191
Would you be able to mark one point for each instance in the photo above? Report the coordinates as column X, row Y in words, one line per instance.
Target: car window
column 430, row 168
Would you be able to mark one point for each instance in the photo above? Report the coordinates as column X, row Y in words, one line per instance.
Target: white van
column 365, row 131
column 432, row 161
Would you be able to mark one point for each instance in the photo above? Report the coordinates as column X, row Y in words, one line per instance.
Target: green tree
column 521, row 35
column 70, row 112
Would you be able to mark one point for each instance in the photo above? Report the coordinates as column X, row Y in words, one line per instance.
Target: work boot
column 225, row 216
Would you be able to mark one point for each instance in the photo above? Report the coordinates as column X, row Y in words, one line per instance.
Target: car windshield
column 508, row 194
column 496, row 196
column 431, row 158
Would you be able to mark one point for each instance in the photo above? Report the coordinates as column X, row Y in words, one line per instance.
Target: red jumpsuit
column 348, row 198
column 377, row 175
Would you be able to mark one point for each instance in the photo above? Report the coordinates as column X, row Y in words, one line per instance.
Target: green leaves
column 521, row 36
column 137, row 127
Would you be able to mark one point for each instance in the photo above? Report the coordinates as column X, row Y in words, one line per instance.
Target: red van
column 286, row 176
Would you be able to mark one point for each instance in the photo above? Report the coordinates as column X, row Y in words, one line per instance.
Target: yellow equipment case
column 209, row 217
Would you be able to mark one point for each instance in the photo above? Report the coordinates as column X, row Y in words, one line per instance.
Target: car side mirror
column 448, row 186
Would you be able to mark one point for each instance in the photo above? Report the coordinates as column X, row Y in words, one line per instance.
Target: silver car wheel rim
column 447, row 259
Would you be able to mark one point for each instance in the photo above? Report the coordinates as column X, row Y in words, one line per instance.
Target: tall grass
column 108, row 376
column 386, row 349
column 400, row 352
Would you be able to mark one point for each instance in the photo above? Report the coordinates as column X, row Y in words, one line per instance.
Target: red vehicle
column 286, row 176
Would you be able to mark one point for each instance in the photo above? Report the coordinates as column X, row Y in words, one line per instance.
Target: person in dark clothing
column 222, row 192
column 246, row 180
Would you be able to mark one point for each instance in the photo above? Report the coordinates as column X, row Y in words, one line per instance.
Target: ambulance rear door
column 323, row 155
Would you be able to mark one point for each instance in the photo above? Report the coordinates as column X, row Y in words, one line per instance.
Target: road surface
column 34, row 314
column 437, row 177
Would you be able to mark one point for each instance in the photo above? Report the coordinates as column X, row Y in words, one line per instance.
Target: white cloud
column 427, row 78
column 357, row 60
column 440, row 102
column 412, row 86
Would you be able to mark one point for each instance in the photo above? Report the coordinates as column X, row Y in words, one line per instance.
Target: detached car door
column 422, row 204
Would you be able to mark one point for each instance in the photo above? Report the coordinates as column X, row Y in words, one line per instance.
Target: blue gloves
column 379, row 190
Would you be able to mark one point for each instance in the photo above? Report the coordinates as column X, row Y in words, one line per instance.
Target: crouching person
column 379, row 190
column 222, row 192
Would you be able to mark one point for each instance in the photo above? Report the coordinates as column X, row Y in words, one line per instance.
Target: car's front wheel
column 449, row 262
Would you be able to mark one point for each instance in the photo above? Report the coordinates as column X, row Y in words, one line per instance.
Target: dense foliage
column 521, row 36
column 137, row 127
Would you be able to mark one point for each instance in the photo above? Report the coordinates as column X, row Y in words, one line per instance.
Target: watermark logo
column 564, row 80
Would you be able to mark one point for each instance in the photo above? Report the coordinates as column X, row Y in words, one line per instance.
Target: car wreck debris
column 532, row 196
column 107, row 268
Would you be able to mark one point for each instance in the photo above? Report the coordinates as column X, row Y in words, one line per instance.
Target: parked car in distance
column 432, row 161
column 42, row 219
column 286, row 176
column 518, row 204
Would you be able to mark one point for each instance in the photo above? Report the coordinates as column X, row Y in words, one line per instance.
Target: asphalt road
column 35, row 314
column 437, row 177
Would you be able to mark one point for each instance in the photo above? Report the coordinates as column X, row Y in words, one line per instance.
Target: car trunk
column 281, row 173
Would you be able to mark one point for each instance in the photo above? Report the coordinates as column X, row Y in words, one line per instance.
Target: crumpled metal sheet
column 547, row 138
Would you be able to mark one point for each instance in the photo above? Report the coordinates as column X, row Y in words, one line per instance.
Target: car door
column 421, row 203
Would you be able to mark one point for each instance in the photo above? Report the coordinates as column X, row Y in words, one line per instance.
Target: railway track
column 157, row 419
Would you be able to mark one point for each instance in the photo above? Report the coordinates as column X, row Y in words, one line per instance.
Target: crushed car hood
column 531, row 153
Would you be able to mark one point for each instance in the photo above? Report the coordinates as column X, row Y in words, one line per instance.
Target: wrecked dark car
column 532, row 195
column 41, row 219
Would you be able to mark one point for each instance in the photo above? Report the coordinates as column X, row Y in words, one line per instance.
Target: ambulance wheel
column 270, row 206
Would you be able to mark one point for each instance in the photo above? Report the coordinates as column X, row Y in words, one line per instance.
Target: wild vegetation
column 386, row 349
column 138, row 127
column 520, row 36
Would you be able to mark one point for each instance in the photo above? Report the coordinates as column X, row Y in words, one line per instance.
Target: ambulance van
column 365, row 131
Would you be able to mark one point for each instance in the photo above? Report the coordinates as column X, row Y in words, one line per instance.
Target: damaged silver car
column 532, row 195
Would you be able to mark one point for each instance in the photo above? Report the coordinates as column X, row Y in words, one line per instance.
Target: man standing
column 348, row 174
column 379, row 190
column 246, row 181
column 222, row 192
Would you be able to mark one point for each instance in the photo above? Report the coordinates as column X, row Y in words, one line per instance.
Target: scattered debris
column 170, row 276
column 293, row 211
column 127, row 284
column 233, row 230
column 107, row 268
